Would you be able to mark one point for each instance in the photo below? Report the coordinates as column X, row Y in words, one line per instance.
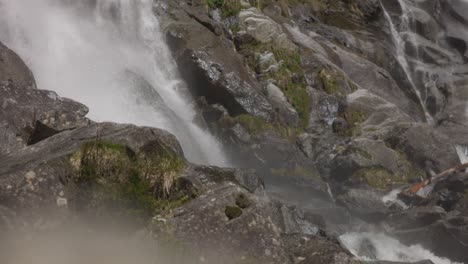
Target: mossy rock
column 359, row 151
column 111, row 178
column 160, row 166
column 289, row 77
column 354, row 118
column 228, row 7
column 380, row 178
column 376, row 177
column 329, row 83
column 233, row 212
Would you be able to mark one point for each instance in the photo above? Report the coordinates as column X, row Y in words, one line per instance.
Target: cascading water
column 400, row 52
column 109, row 55
column 387, row 248
column 423, row 62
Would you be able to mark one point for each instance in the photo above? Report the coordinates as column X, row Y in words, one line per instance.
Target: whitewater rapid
column 387, row 248
column 84, row 49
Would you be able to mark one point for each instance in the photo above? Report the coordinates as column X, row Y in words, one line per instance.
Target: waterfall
column 400, row 51
column 111, row 56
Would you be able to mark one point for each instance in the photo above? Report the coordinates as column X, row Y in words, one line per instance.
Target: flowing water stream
column 399, row 42
column 111, row 56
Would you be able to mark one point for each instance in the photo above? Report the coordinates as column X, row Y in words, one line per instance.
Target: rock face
column 214, row 71
column 29, row 115
column 76, row 168
column 310, row 98
column 263, row 29
column 439, row 220
column 333, row 104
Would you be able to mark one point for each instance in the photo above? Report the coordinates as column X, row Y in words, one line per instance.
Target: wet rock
column 372, row 163
column 281, row 104
column 381, row 115
column 46, row 166
column 214, row 71
column 248, row 179
column 367, row 249
column 421, row 142
column 27, row 114
column 304, row 142
column 371, row 9
column 340, row 125
column 317, row 249
column 267, row 63
column 365, row 203
column 417, row 217
column 13, row 69
column 437, row 221
column 296, row 221
column 228, row 232
column 264, row 29
column 443, row 238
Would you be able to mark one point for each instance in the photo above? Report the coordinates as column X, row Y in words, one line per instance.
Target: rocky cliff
column 319, row 108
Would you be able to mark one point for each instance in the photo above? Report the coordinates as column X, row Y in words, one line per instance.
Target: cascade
column 111, row 56
column 399, row 42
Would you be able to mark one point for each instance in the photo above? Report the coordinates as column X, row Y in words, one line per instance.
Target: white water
column 81, row 51
column 389, row 249
column 392, row 198
column 399, row 43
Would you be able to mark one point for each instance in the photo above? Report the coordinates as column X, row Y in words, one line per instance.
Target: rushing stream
column 109, row 55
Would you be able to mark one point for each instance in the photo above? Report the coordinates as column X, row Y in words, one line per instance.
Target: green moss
column 376, row 177
column 231, row 8
column 259, row 4
column 214, row 3
column 354, row 8
column 328, row 81
column 243, row 201
column 298, row 97
column 161, row 165
column 132, row 198
column 111, row 178
column 87, row 161
column 354, row 118
column 235, row 28
column 289, row 77
column 233, row 212
column 228, row 7
column 381, row 178
column 412, row 172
